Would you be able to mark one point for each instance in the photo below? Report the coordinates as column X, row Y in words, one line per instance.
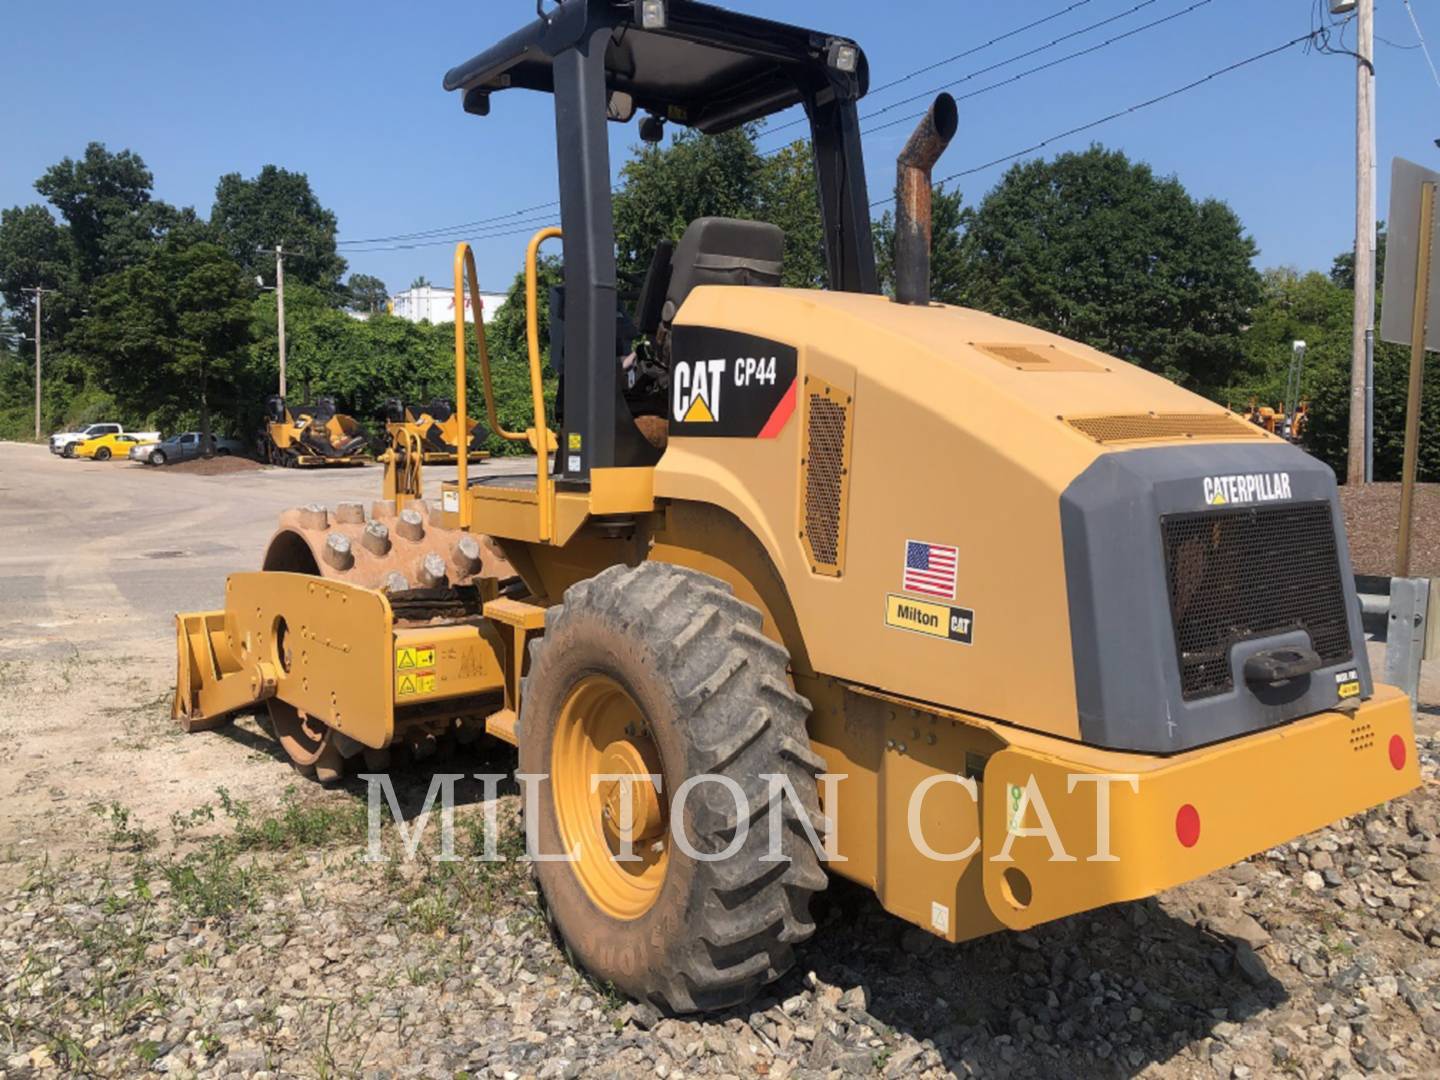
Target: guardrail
column 1399, row 609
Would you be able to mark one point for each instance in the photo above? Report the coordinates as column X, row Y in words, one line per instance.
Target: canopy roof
column 709, row 68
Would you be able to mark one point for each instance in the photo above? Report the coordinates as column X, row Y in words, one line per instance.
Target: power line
column 524, row 229
column 985, row 70
column 425, row 233
column 1028, row 71
column 970, row 52
column 449, row 232
column 1416, row 24
column 1115, row 115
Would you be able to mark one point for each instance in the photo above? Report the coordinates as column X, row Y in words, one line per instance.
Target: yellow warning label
column 415, row 657
column 1349, row 689
column 574, row 440
column 419, row 682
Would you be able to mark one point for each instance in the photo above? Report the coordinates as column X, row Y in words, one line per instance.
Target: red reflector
column 1187, row 825
column 1397, row 751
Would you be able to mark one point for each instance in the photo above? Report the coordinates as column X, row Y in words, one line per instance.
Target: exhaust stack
column 912, row 199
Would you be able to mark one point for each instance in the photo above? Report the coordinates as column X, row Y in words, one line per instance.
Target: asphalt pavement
column 105, row 553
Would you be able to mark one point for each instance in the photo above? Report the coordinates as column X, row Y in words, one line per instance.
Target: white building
column 428, row 303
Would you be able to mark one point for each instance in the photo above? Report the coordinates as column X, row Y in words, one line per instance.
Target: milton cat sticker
column 729, row 385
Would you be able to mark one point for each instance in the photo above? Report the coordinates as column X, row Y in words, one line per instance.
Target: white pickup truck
column 63, row 443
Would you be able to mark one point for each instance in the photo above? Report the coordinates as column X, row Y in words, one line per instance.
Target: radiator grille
column 824, row 478
column 1239, row 574
column 1139, row 427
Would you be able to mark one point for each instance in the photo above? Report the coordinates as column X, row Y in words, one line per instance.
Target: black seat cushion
column 723, row 251
column 652, row 291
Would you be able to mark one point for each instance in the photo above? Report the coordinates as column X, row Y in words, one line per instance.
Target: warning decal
column 419, row 682
column 415, row 657
column 414, row 670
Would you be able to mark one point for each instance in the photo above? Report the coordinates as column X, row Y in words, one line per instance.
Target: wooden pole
column 1418, row 320
column 280, row 309
column 1364, row 315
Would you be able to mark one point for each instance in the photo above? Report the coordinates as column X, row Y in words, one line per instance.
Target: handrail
column 541, row 439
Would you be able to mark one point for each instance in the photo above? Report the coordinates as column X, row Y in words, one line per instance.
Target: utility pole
column 1363, row 336
column 280, row 308
column 39, row 291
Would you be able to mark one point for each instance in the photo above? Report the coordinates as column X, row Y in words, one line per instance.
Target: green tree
column 277, row 206
column 166, row 332
column 35, row 250
column 367, row 293
column 1342, row 269
column 421, row 282
column 1096, row 247
column 105, row 200
column 664, row 188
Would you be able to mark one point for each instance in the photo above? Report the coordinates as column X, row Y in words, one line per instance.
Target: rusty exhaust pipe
column 912, row 199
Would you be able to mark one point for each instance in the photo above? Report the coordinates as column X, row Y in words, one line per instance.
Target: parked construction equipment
column 1290, row 426
column 309, row 435
column 437, row 427
column 1056, row 632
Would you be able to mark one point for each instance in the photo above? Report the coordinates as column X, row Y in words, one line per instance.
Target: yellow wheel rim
column 601, row 730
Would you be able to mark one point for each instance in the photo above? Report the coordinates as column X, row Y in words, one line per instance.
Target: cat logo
column 696, row 391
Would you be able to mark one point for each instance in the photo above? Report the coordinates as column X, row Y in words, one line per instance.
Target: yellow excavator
column 985, row 620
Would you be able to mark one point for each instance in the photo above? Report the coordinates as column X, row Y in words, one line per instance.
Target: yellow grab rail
column 541, row 439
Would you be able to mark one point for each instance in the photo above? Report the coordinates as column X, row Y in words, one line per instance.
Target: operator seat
column 722, row 251
column 713, row 251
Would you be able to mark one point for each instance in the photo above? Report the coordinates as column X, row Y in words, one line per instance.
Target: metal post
column 1418, row 321
column 280, row 308
column 39, row 294
column 1405, row 635
column 1370, row 405
column 1364, row 233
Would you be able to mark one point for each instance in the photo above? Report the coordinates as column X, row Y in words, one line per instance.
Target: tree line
column 161, row 316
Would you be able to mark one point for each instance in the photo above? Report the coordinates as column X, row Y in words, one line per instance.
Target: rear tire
column 713, row 698
column 103, row 454
column 157, row 458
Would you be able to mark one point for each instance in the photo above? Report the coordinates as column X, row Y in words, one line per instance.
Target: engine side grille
column 1142, row 427
column 826, row 431
column 1240, row 574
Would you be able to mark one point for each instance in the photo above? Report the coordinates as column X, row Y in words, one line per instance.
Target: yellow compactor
column 433, row 431
column 305, row 436
column 1006, row 627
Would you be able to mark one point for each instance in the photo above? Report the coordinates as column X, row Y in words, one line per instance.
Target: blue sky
column 350, row 94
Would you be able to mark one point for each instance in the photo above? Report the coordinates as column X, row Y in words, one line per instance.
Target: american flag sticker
column 930, row 569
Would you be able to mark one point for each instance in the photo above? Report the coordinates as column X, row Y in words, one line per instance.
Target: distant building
column 430, row 304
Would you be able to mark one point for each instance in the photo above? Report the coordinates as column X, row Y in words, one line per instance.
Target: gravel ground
column 153, row 923
column 247, row 941
column 1372, row 521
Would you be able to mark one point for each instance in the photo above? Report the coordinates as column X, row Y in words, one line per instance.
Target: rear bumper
column 1175, row 819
